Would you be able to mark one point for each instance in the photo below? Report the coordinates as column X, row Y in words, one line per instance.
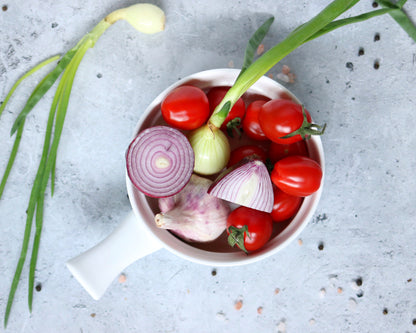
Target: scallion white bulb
column 211, row 148
column 144, row 17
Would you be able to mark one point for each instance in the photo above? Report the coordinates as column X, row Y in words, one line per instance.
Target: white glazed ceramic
column 138, row 236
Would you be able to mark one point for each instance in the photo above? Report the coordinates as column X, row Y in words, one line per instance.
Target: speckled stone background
column 353, row 269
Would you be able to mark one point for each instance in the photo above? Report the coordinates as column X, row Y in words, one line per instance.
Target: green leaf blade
column 47, row 166
column 350, row 20
column 254, row 42
column 43, row 88
column 35, row 249
column 26, row 75
column 295, row 39
column 12, row 157
column 404, row 21
column 42, row 176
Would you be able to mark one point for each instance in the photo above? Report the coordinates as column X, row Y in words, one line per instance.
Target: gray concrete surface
column 365, row 219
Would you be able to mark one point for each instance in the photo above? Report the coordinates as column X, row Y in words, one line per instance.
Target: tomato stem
column 236, row 236
column 306, row 129
column 234, row 124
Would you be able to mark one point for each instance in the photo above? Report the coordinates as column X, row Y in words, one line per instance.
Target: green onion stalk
column 251, row 71
column 145, row 18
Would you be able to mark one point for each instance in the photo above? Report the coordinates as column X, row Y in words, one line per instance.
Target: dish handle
column 96, row 268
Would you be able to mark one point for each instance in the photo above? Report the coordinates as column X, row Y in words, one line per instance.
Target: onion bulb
column 144, row 17
column 160, row 161
column 211, row 148
column 192, row 214
column 247, row 184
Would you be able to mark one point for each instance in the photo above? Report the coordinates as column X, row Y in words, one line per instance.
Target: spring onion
column 146, row 18
column 160, row 161
column 321, row 24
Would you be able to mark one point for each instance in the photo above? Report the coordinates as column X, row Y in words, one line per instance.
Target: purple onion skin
column 195, row 215
column 166, row 204
column 160, row 161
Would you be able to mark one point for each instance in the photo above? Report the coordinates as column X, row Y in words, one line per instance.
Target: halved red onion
column 248, row 184
column 160, row 161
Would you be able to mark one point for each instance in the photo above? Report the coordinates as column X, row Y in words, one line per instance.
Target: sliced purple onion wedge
column 160, row 161
column 247, row 184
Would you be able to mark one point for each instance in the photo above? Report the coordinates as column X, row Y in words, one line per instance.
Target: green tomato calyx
column 306, row 129
column 236, row 237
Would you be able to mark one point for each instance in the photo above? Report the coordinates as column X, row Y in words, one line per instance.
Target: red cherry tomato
column 285, row 205
column 280, row 117
column 215, row 96
column 248, row 228
column 251, row 126
column 277, row 151
column 186, row 108
column 246, row 151
column 297, row 175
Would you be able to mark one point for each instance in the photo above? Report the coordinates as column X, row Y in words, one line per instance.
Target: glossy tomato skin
column 259, row 224
column 251, row 126
column 280, row 117
column 277, row 151
column 297, row 175
column 186, row 108
column 285, row 206
column 215, row 96
column 247, row 151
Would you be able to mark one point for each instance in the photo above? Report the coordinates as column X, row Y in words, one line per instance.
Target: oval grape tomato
column 297, row 175
column 186, row 108
column 285, row 206
column 277, row 151
column 280, row 117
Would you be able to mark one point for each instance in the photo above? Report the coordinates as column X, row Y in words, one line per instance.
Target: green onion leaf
column 30, row 72
column 289, row 44
column 295, row 39
column 254, row 43
column 400, row 17
column 42, row 89
column 21, row 126
column 35, row 249
column 39, row 175
column 389, row 4
column 350, row 20
column 46, row 164
column 62, row 106
column 12, row 157
column 317, row 26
